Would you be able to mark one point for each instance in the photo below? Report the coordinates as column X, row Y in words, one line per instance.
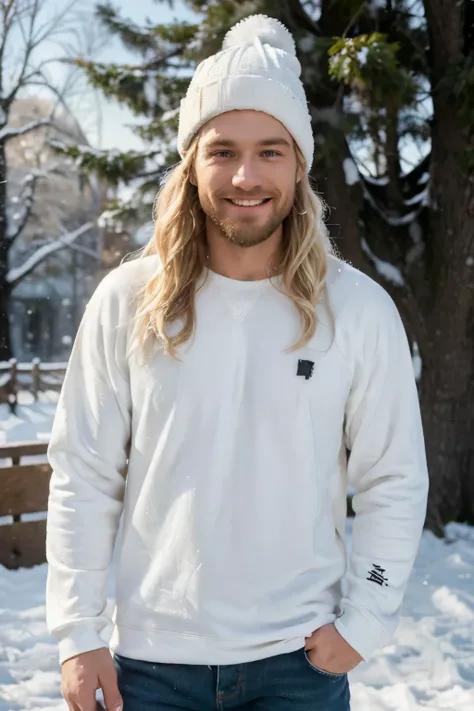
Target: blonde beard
column 248, row 236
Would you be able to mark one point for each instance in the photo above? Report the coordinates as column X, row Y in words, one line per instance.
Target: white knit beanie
column 257, row 68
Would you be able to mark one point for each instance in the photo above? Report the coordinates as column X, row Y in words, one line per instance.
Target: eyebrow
column 228, row 143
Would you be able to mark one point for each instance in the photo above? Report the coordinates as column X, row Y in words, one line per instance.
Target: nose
column 246, row 177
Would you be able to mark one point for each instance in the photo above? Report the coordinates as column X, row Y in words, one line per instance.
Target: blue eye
column 269, row 153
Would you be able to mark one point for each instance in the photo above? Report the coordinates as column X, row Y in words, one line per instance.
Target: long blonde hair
column 179, row 240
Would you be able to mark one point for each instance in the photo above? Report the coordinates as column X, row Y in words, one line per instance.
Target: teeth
column 247, row 203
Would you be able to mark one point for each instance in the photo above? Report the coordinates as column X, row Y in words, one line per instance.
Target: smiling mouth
column 248, row 203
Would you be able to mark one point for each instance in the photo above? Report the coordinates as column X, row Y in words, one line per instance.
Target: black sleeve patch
column 377, row 576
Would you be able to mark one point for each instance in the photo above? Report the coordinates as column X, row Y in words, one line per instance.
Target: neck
column 242, row 263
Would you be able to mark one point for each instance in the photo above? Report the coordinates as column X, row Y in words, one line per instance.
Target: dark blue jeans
column 287, row 682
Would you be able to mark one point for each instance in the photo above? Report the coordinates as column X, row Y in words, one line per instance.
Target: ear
column 299, row 175
column 192, row 176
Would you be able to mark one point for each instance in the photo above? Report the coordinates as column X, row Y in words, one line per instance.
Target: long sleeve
column 88, row 456
column 387, row 468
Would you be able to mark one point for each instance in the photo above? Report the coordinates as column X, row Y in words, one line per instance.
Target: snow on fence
column 24, row 490
column 34, row 377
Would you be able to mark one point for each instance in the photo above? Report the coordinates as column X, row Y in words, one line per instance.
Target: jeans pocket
column 330, row 675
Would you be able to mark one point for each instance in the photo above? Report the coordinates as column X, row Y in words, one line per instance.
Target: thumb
column 110, row 690
column 312, row 641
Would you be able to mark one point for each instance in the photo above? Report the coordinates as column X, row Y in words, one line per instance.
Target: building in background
column 47, row 305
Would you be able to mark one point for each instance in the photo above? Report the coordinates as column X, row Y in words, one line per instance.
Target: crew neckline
column 239, row 284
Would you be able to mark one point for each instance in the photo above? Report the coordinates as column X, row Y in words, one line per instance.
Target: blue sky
column 115, row 132
column 112, row 131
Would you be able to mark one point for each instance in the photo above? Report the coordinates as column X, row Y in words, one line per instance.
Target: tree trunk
column 331, row 148
column 447, row 386
column 5, row 338
column 449, row 435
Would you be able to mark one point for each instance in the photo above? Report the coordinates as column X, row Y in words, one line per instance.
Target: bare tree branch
column 296, row 15
column 27, row 198
column 354, row 19
column 34, row 37
column 61, row 101
column 16, row 275
column 8, row 133
column 54, row 26
column 7, row 23
column 37, row 71
column 27, row 38
column 85, row 250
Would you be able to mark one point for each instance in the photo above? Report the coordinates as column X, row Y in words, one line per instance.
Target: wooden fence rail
column 24, row 489
column 34, row 377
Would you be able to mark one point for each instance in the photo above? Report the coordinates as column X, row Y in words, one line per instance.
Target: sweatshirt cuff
column 362, row 631
column 79, row 640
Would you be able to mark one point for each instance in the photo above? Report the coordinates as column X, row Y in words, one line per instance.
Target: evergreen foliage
column 379, row 78
column 390, row 86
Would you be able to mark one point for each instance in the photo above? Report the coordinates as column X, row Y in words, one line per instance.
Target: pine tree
column 151, row 89
column 391, row 90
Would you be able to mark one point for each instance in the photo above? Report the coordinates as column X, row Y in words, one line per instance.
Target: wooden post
column 36, row 374
column 12, row 398
column 16, row 462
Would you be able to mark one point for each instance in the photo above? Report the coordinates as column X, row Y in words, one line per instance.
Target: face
column 246, row 173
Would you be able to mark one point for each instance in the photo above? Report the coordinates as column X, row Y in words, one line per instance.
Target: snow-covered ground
column 32, row 421
column 429, row 664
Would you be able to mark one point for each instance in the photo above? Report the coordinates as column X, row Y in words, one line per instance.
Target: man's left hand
column 329, row 651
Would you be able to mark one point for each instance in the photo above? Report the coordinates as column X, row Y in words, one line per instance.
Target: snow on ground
column 430, row 662
column 32, row 421
column 428, row 666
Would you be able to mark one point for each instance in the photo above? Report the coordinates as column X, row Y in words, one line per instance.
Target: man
column 213, row 390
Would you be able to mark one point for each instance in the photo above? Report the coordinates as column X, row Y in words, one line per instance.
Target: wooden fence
column 34, row 377
column 24, row 490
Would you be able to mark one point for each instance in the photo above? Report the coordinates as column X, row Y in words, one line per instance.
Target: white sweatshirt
column 234, row 504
